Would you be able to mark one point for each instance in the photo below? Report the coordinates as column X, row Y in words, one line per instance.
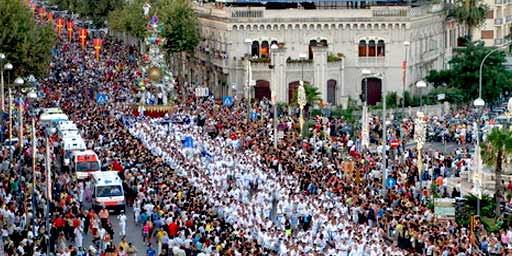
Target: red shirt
column 173, row 229
column 58, row 223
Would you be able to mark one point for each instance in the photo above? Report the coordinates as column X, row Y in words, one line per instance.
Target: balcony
column 498, row 21
column 430, row 55
column 371, row 61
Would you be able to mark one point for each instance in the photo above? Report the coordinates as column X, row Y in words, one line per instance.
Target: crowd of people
column 227, row 190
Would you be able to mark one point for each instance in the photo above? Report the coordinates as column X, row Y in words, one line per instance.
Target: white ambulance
column 68, row 145
column 83, row 163
column 108, row 191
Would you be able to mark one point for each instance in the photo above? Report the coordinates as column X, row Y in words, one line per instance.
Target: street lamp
column 19, row 83
column 274, row 100
column 420, row 85
column 2, row 58
column 364, row 121
column 7, row 67
column 248, row 42
column 404, row 81
column 479, row 103
column 404, row 71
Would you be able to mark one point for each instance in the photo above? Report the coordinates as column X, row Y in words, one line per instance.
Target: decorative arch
column 262, row 90
column 255, row 49
column 235, row 27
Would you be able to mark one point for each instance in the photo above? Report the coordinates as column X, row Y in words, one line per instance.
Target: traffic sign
column 227, row 101
column 395, row 143
column 390, row 182
column 254, row 115
column 101, row 98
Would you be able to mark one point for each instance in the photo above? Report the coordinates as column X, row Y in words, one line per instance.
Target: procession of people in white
column 225, row 175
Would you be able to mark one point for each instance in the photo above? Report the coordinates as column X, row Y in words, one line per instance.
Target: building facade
column 498, row 21
column 260, row 52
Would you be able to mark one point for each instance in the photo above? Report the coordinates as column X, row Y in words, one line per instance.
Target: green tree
column 494, row 151
column 464, row 73
column 471, row 13
column 130, row 18
column 26, row 45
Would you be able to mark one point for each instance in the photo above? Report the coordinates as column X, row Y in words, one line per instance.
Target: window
column 489, row 14
column 362, row 48
column 264, row 49
column 487, row 34
column 273, row 42
column 323, row 42
column 371, row 48
column 381, row 51
column 255, row 49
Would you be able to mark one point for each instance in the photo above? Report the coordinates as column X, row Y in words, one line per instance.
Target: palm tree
column 471, row 13
column 313, row 95
column 494, row 151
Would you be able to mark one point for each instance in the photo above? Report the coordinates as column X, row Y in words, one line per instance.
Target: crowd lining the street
column 232, row 192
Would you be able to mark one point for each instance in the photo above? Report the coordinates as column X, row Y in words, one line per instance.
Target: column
column 320, row 70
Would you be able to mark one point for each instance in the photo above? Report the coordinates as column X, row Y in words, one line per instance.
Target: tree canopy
column 470, row 13
column 130, row 18
column 494, row 151
column 464, row 73
column 96, row 10
column 180, row 25
column 26, row 45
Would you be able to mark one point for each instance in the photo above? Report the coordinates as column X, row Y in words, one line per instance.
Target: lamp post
column 404, row 72
column 19, row 82
column 364, row 130
column 420, row 85
column 404, row 81
column 481, row 70
column 7, row 67
column 248, row 42
column 479, row 103
column 2, row 58
column 10, row 129
column 274, row 100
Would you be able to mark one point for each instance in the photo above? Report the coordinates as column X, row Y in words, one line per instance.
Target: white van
column 68, row 145
column 107, row 191
column 50, row 121
column 84, row 162
column 65, row 127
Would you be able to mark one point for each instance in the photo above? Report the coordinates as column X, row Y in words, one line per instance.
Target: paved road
column 133, row 232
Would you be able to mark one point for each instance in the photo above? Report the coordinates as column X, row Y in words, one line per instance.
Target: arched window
column 255, row 49
column 362, row 48
column 371, row 48
column 264, row 49
column 381, row 50
column 323, row 42
column 273, row 42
